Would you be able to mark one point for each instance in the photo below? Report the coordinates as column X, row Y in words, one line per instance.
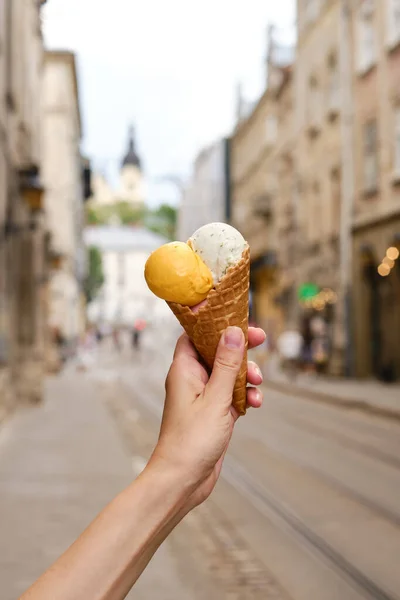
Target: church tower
column 131, row 176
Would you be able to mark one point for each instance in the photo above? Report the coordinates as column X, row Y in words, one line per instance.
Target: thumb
column 228, row 360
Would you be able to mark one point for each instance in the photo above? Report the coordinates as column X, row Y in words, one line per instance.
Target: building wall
column 125, row 295
column 3, row 207
column 376, row 298
column 22, row 237
column 254, row 206
column 302, row 180
column 318, row 88
column 204, row 199
column 62, row 175
column 287, row 206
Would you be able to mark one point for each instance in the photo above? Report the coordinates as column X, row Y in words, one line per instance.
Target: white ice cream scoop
column 219, row 245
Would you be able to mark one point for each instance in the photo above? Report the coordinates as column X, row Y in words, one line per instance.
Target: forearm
column 110, row 555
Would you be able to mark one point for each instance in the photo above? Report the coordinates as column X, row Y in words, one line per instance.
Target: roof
column 131, row 158
column 122, row 238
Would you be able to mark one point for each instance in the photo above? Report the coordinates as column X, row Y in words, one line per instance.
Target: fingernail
column 257, row 370
column 233, row 337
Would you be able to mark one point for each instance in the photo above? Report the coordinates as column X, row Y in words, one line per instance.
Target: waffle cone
column 227, row 304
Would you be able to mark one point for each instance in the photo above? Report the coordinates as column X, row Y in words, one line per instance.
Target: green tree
column 163, row 220
column 95, row 276
column 125, row 212
column 128, row 214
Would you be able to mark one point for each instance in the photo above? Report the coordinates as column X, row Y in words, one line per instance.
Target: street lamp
column 55, row 260
column 31, row 189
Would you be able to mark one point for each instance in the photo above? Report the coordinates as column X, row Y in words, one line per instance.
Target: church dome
column 131, row 158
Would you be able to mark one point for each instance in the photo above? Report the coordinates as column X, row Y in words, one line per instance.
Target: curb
column 323, row 397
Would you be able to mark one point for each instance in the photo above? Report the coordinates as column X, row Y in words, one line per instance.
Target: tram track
column 272, row 508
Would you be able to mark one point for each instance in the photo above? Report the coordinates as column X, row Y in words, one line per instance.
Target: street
column 307, row 506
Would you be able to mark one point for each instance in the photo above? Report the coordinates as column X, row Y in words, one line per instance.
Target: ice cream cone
column 227, row 305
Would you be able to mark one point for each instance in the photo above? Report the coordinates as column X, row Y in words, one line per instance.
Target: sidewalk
column 60, row 464
column 368, row 395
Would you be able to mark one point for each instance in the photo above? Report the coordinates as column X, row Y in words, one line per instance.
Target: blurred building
column 315, row 183
column 261, row 152
column 131, row 187
column 287, row 204
column 22, row 232
column 376, row 226
column 62, row 171
column 125, row 295
column 206, row 197
column 318, row 157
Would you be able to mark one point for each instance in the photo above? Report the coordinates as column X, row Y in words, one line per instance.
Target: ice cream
column 174, row 272
column 220, row 246
column 206, row 285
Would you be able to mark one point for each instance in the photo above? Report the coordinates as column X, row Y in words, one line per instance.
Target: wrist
column 172, row 477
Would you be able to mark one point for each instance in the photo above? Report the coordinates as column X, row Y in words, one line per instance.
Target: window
column 393, row 15
column 333, row 90
column 370, row 156
column 314, row 105
column 366, row 37
column 397, row 142
column 271, row 129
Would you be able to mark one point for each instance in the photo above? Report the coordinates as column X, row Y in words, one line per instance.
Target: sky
column 170, row 68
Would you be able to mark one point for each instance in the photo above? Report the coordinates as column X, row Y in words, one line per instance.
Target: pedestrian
column 289, row 344
column 198, row 421
column 306, row 351
column 99, row 335
column 320, row 356
column 117, row 339
column 319, row 344
column 135, row 338
column 138, row 328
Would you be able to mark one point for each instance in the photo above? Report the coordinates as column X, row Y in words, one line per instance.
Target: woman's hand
column 109, row 556
column 198, row 417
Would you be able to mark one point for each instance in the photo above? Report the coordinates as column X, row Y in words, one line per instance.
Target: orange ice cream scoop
column 174, row 272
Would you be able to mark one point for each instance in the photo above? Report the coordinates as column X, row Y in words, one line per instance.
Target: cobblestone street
column 307, row 506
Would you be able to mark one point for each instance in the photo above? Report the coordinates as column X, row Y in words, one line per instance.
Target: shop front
column 376, row 301
column 264, row 310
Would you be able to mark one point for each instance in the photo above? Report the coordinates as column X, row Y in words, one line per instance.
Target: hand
column 198, row 417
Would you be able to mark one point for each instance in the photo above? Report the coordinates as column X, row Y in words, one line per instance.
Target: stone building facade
column 64, row 196
column 254, row 187
column 315, row 183
column 318, row 159
column 205, row 198
column 376, row 223
column 262, row 193
column 22, row 232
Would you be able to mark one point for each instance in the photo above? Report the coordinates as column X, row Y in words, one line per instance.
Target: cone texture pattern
column 227, row 305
